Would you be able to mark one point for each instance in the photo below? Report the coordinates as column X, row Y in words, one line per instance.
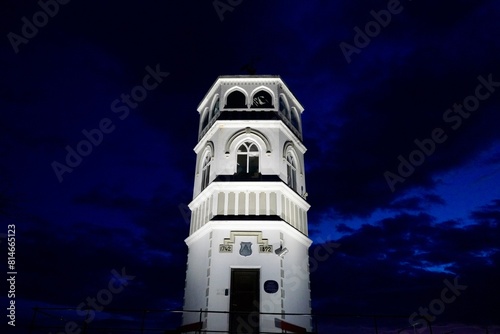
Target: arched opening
column 295, row 119
column 204, row 119
column 284, row 110
column 262, row 99
column 215, row 108
column 236, row 99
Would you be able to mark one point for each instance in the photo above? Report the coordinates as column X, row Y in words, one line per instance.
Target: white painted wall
column 294, row 283
column 209, row 270
column 272, row 163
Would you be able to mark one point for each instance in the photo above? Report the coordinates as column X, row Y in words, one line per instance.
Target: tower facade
column 248, row 264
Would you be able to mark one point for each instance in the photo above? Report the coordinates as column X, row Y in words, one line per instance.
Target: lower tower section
column 248, row 276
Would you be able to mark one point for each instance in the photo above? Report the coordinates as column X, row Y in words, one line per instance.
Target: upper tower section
column 250, row 154
column 250, row 97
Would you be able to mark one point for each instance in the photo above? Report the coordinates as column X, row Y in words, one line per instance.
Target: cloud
column 399, row 264
column 417, row 203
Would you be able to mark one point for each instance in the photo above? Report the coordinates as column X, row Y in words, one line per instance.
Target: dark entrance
column 245, row 301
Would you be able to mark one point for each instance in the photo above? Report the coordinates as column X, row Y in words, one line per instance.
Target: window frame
column 291, row 170
column 206, row 164
column 248, row 154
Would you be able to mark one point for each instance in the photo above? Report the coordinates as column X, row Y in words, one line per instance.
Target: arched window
column 291, row 171
column 204, row 119
column 215, row 109
column 247, row 159
column 236, row 99
column 205, row 170
column 283, row 108
column 295, row 119
column 262, row 99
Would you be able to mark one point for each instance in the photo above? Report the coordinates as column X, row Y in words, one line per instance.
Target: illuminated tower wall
column 248, row 239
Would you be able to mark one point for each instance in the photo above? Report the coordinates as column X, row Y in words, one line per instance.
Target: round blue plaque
column 271, row 286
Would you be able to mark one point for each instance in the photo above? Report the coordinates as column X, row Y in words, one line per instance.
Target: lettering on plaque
column 265, row 249
column 223, row 248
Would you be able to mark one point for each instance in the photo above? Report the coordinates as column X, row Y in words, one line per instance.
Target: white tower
column 248, row 241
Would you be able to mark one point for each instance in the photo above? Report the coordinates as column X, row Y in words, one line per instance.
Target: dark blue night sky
column 401, row 122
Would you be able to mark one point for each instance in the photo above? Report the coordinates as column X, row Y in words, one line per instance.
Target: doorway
column 244, row 301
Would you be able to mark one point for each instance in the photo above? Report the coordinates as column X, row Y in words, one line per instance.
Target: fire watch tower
column 248, row 239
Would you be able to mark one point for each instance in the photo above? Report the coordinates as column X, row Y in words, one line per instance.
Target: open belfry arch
column 248, row 265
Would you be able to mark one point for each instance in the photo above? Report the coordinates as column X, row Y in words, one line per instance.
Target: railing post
column 201, row 312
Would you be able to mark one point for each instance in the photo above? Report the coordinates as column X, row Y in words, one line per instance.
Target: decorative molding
column 209, row 147
column 248, row 131
column 227, row 246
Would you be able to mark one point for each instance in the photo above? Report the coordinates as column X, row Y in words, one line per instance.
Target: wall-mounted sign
column 271, row 286
column 265, row 249
column 245, row 248
column 225, row 248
